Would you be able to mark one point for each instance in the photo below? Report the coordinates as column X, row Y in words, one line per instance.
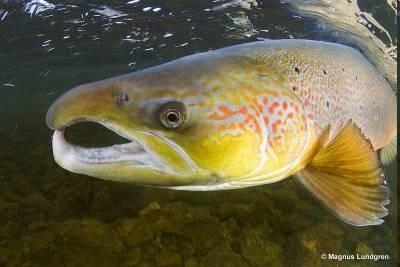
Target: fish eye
column 171, row 118
column 172, row 115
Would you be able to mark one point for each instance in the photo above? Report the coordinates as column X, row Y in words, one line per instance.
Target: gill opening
column 177, row 149
column 264, row 137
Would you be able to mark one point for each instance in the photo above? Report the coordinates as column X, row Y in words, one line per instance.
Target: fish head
column 188, row 122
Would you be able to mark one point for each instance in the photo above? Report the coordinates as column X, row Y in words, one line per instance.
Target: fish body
column 242, row 116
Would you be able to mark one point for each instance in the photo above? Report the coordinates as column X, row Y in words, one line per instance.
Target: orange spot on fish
column 253, row 122
column 258, row 129
column 215, row 116
column 231, row 126
column 275, row 125
column 272, row 107
column 224, row 109
column 257, row 103
column 243, row 110
column 226, row 112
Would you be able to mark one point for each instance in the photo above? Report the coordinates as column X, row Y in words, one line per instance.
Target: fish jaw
column 148, row 159
column 96, row 161
column 130, row 163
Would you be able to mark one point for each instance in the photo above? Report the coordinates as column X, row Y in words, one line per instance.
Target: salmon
column 241, row 116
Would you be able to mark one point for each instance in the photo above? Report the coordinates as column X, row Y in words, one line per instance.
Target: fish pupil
column 172, row 116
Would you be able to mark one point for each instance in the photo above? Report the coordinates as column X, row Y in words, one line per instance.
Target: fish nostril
column 122, row 98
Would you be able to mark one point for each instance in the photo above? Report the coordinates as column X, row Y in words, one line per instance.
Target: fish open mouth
column 74, row 157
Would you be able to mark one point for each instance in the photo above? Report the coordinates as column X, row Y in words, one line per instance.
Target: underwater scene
column 52, row 217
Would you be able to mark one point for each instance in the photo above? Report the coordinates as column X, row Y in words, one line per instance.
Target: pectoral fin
column 346, row 178
column 389, row 152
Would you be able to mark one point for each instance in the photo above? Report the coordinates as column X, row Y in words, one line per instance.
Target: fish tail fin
column 346, row 178
column 389, row 152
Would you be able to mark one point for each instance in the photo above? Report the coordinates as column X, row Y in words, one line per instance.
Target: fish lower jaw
column 79, row 159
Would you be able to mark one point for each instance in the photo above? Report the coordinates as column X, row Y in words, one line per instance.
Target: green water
column 50, row 217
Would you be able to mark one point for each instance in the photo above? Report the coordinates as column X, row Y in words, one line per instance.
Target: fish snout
column 89, row 102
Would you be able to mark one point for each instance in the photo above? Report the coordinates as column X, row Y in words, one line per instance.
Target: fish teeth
column 69, row 156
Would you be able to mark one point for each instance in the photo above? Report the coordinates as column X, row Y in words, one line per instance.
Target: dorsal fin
column 346, row 178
